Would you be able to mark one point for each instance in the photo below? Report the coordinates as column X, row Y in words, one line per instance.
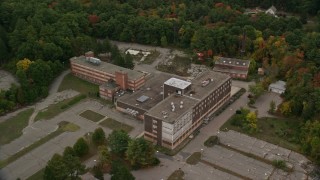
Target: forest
column 287, row 47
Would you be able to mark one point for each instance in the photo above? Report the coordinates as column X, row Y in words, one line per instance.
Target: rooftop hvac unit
column 93, row 60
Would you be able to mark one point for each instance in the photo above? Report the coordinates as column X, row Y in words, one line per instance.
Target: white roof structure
column 281, row 85
column 177, row 83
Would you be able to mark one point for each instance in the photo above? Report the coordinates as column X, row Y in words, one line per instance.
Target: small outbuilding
column 272, row 11
column 278, row 87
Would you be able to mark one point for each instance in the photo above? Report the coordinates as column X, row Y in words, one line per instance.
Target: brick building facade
column 236, row 68
column 110, row 77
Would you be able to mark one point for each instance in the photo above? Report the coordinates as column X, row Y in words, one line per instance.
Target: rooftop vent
column 93, row 60
column 205, row 83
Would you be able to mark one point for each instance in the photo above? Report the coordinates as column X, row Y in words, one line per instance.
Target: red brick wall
column 122, row 80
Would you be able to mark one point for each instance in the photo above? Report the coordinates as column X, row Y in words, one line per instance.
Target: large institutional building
column 110, row 77
column 173, row 108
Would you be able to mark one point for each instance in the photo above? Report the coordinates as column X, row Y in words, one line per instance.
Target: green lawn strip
column 84, row 87
column 55, row 109
column 224, row 170
column 37, row 176
column 63, row 127
column 92, row 116
column 115, row 125
column 194, row 158
column 12, row 128
column 273, row 130
column 176, row 175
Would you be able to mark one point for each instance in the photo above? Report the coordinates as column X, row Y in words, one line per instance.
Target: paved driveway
column 263, row 103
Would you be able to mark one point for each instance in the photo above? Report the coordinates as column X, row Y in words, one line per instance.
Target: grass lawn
column 115, row 125
column 63, row 127
column 92, row 116
column 273, row 130
column 12, row 128
column 37, row 176
column 55, row 109
column 176, row 175
column 194, row 158
column 72, row 82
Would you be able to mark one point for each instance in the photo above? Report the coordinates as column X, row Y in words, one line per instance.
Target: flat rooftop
column 201, row 87
column 206, row 82
column 152, row 89
column 233, row 71
column 177, row 83
column 107, row 67
column 164, row 111
column 232, row 62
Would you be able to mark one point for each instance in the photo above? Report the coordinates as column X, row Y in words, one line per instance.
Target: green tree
column 97, row 172
column 98, row 137
column 118, row 142
column 164, row 41
column 256, row 90
column 272, row 107
column 140, row 152
column 128, row 61
column 120, row 172
column 285, row 108
column 251, row 122
column 310, row 139
column 81, row 147
column 56, row 169
column 72, row 163
column 104, row 155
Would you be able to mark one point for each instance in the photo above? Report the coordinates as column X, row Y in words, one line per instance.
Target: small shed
column 278, row 87
column 272, row 11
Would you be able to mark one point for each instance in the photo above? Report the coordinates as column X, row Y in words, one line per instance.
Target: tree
column 23, row 64
column 97, row 172
column 73, row 163
column 272, row 107
column 56, row 169
column 81, row 147
column 140, row 152
column 310, row 139
column 104, row 155
column 251, row 122
column 98, row 137
column 285, row 108
column 128, row 61
column 120, row 172
column 256, row 90
column 164, row 41
column 118, row 142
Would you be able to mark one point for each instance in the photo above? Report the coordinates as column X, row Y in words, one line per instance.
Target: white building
column 278, row 87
